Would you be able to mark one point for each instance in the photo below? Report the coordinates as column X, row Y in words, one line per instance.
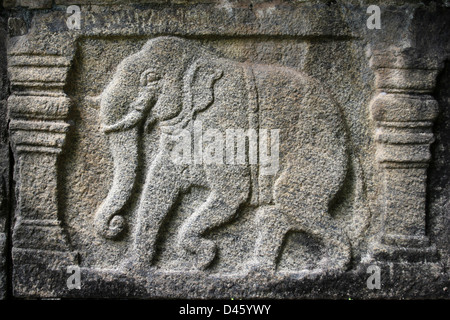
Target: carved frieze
column 215, row 149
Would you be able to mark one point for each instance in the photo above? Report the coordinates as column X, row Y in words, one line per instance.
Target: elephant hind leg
column 275, row 222
column 337, row 250
column 307, row 208
column 216, row 211
column 273, row 226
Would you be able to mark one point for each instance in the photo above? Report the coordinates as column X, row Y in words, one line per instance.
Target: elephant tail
column 108, row 221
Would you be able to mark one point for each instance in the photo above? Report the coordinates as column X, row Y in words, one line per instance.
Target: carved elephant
column 170, row 83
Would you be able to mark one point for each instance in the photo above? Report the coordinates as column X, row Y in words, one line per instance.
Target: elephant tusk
column 139, row 107
column 127, row 123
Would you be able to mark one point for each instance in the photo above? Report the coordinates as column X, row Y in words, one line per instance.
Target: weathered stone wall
column 5, row 196
column 103, row 100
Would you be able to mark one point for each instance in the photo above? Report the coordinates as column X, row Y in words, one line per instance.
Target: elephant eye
column 148, row 77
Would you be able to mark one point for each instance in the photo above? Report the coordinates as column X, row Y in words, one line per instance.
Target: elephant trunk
column 124, row 150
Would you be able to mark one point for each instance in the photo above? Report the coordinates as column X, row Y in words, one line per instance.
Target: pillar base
column 398, row 248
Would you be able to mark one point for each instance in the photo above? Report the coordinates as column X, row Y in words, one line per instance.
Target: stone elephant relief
column 171, row 83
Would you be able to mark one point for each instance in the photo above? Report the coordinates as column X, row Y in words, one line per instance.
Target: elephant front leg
column 161, row 190
column 220, row 207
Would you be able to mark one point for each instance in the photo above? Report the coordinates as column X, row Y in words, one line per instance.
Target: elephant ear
column 199, row 82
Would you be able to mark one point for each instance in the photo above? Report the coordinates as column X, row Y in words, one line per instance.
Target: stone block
column 216, row 149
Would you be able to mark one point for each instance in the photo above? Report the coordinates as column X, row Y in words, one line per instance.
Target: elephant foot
column 205, row 253
column 337, row 257
column 330, row 265
column 203, row 249
column 128, row 265
column 134, row 265
column 258, row 268
column 136, row 261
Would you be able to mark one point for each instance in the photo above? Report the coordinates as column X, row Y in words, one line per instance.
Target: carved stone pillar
column 404, row 112
column 37, row 108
